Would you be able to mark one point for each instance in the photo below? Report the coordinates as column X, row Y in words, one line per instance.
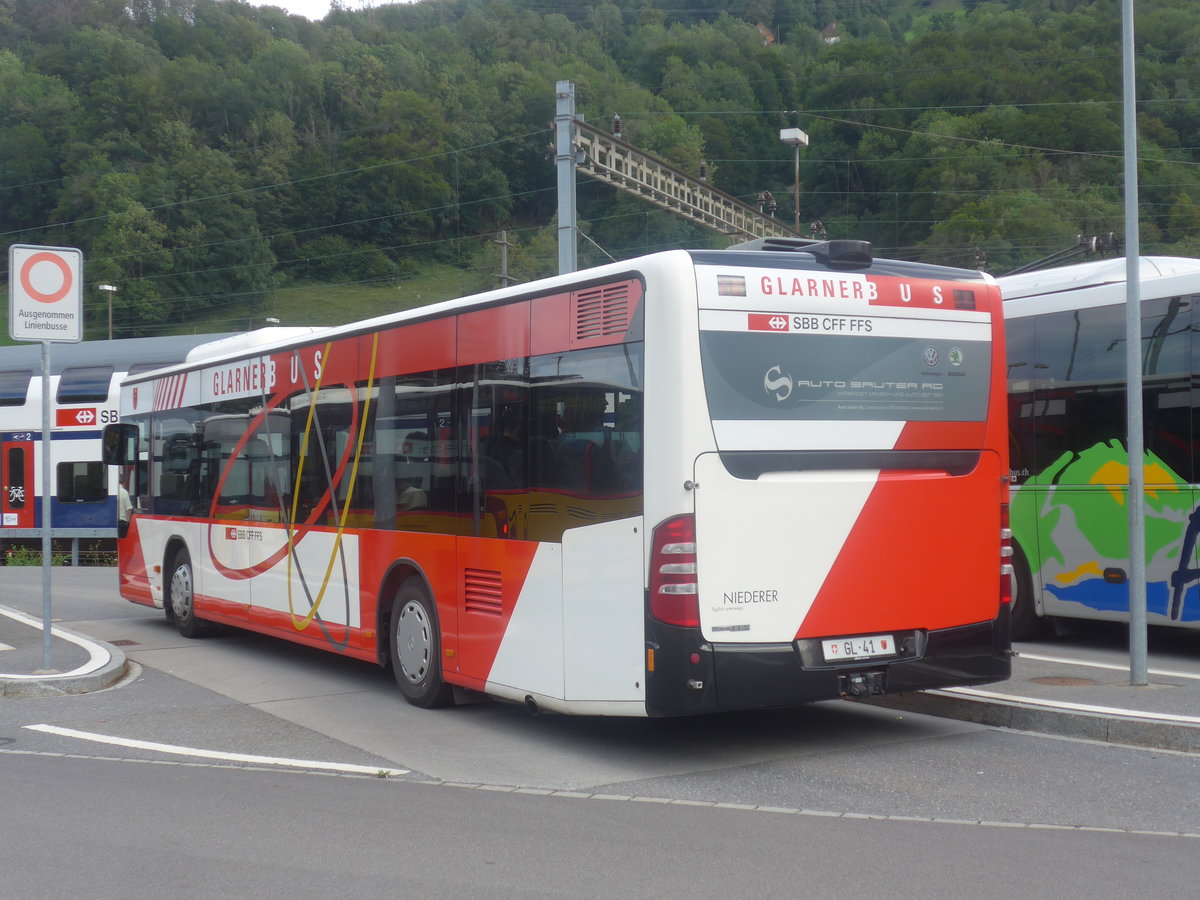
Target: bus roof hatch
column 838, row 254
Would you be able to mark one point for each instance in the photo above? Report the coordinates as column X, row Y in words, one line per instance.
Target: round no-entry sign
column 45, row 293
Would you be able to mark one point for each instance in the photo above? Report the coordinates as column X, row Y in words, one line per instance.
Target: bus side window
column 415, row 452
column 505, row 450
column 543, row 449
column 179, row 474
column 1022, row 370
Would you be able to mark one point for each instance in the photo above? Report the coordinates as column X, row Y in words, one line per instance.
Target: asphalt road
column 118, row 829
column 832, row 797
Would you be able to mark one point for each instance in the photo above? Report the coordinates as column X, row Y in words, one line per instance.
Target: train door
column 18, row 501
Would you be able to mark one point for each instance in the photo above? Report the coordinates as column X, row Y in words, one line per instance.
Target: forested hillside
column 209, row 156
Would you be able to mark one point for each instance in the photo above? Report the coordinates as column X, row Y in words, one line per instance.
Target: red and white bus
column 691, row 482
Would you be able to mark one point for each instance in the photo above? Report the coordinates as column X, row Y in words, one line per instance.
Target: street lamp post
column 797, row 139
column 109, row 290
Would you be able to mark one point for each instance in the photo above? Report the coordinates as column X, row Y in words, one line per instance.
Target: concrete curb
column 106, row 665
column 1096, row 723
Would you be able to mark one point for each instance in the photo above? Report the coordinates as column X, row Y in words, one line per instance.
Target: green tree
column 1183, row 221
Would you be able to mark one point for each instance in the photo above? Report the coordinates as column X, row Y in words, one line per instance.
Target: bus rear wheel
column 1025, row 621
column 181, row 598
column 416, row 647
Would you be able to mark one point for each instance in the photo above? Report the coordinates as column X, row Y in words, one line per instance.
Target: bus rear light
column 1006, row 554
column 673, row 589
column 678, row 569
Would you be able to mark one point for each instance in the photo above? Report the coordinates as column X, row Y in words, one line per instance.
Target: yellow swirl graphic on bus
column 301, row 623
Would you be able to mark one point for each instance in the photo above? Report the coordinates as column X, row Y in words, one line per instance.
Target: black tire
column 1026, row 623
column 416, row 647
column 180, row 600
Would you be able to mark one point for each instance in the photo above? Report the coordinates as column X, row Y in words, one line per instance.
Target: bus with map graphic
column 1070, row 468
column 692, row 482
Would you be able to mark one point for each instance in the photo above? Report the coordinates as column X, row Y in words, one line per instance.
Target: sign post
column 45, row 303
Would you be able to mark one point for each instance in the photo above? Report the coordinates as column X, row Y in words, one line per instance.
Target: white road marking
column 1072, row 707
column 1062, row 660
column 98, row 657
column 217, row 754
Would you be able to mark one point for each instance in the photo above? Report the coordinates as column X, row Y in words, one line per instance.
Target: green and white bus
column 1067, row 386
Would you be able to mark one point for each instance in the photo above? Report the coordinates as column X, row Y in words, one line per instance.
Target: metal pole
column 1133, row 364
column 564, row 161
column 108, row 290
column 505, row 280
column 47, row 646
column 796, row 195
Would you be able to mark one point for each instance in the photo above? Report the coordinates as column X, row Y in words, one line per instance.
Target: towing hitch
column 859, row 685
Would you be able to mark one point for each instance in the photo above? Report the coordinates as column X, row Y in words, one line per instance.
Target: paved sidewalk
column 1053, row 695
column 78, row 664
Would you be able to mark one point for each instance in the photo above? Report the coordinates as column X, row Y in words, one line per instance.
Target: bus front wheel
column 181, row 598
column 416, row 647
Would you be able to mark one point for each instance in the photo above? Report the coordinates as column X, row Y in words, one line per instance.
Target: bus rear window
column 789, row 377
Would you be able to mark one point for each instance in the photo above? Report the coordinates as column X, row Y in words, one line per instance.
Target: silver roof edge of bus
column 1091, row 274
column 248, row 340
column 837, row 254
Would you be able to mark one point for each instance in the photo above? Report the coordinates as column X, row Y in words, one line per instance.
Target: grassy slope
column 324, row 304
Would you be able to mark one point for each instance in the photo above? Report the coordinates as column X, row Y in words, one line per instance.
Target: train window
column 84, row 384
column 14, row 386
column 81, row 482
column 138, row 368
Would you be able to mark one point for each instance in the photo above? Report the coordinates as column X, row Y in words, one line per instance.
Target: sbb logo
column 768, row 322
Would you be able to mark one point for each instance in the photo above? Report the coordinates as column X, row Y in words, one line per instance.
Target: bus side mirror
column 120, row 444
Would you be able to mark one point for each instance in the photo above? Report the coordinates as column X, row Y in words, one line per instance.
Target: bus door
column 18, row 504
column 850, row 448
column 495, row 561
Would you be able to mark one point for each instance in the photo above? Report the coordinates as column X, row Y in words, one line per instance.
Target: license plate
column 858, row 647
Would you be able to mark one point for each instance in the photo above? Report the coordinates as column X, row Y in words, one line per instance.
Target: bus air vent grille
column 482, row 592
column 599, row 313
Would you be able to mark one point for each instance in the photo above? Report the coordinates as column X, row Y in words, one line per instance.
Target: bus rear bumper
column 728, row 677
